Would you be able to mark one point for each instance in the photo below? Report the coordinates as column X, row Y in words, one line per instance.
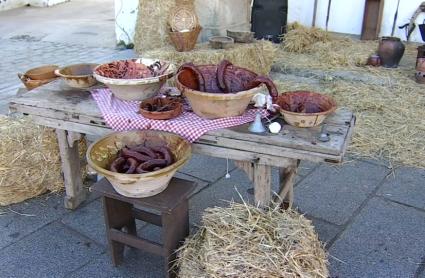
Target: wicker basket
column 183, row 17
column 185, row 41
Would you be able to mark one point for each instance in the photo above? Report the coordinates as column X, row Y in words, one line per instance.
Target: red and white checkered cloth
column 123, row 115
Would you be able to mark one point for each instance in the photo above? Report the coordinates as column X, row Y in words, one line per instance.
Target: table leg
column 287, row 180
column 262, row 184
column 260, row 175
column 70, row 158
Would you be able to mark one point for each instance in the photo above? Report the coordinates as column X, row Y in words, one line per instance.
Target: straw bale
column 301, row 39
column 258, row 56
column 29, row 163
column 246, row 241
column 152, row 23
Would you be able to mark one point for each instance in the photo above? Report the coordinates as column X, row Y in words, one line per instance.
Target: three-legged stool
column 120, row 213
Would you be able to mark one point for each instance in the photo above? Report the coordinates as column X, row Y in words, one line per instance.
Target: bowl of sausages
column 134, row 79
column 139, row 163
column 220, row 91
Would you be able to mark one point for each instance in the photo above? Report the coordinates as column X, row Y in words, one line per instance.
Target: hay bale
column 245, row 241
column 29, row 163
column 315, row 48
column 152, row 23
column 258, row 56
column 301, row 39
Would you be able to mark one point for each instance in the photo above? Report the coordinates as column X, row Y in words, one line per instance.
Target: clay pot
column 374, row 60
column 390, row 50
column 175, row 108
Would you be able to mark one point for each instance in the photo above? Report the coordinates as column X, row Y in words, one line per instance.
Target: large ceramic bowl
column 137, row 89
column 215, row 105
column 304, row 108
column 101, row 154
column 78, row 75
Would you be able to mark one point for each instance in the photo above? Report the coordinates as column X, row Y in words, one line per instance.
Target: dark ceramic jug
column 390, row 51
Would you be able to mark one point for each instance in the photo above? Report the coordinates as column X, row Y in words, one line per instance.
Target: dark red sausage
column 143, row 150
column 116, row 165
column 268, row 82
column 127, row 153
column 197, row 73
column 132, row 165
column 165, row 153
column 139, row 170
column 153, row 163
column 221, row 82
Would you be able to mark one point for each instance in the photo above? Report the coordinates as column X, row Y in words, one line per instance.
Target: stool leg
column 175, row 228
column 118, row 214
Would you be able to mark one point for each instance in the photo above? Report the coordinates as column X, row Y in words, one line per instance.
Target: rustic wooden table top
column 59, row 106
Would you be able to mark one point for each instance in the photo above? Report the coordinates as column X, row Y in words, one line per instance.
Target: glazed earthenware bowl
column 172, row 109
column 305, row 108
column 213, row 104
column 42, row 73
column 104, row 151
column 137, row 89
column 78, row 75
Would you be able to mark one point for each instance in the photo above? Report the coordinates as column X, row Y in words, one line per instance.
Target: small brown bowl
column 147, row 108
column 78, row 75
column 221, row 42
column 42, row 73
column 32, row 84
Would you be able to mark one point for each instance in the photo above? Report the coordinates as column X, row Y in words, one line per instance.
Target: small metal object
column 323, row 136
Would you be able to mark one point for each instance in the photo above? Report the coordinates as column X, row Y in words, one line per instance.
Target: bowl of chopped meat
column 134, row 79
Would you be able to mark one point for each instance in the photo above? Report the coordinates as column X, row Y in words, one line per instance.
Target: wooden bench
column 73, row 112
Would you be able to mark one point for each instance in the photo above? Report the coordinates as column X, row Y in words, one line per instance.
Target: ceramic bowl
column 137, row 89
column 305, row 108
column 175, row 108
column 78, row 75
column 105, row 150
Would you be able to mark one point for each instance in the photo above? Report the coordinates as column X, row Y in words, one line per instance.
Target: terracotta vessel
column 213, row 104
column 304, row 108
column 174, row 109
column 390, row 50
column 374, row 60
column 78, row 75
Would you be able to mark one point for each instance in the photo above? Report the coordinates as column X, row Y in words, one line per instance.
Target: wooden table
column 73, row 113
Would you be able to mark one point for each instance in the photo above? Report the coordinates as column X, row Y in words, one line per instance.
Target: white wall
column 346, row 16
column 11, row 4
column 125, row 19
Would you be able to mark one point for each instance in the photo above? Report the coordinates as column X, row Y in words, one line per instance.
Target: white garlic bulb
column 275, row 127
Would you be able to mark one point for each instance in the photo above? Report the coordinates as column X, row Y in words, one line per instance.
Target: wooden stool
column 120, row 213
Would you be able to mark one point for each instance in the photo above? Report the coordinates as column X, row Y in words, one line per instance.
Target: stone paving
column 25, row 52
column 371, row 219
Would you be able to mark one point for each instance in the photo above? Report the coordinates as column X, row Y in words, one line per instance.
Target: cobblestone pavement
column 25, row 52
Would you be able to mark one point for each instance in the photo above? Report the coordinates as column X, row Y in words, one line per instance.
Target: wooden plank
column 75, row 192
column 251, row 156
column 372, row 19
column 133, row 241
column 262, row 148
column 292, row 137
